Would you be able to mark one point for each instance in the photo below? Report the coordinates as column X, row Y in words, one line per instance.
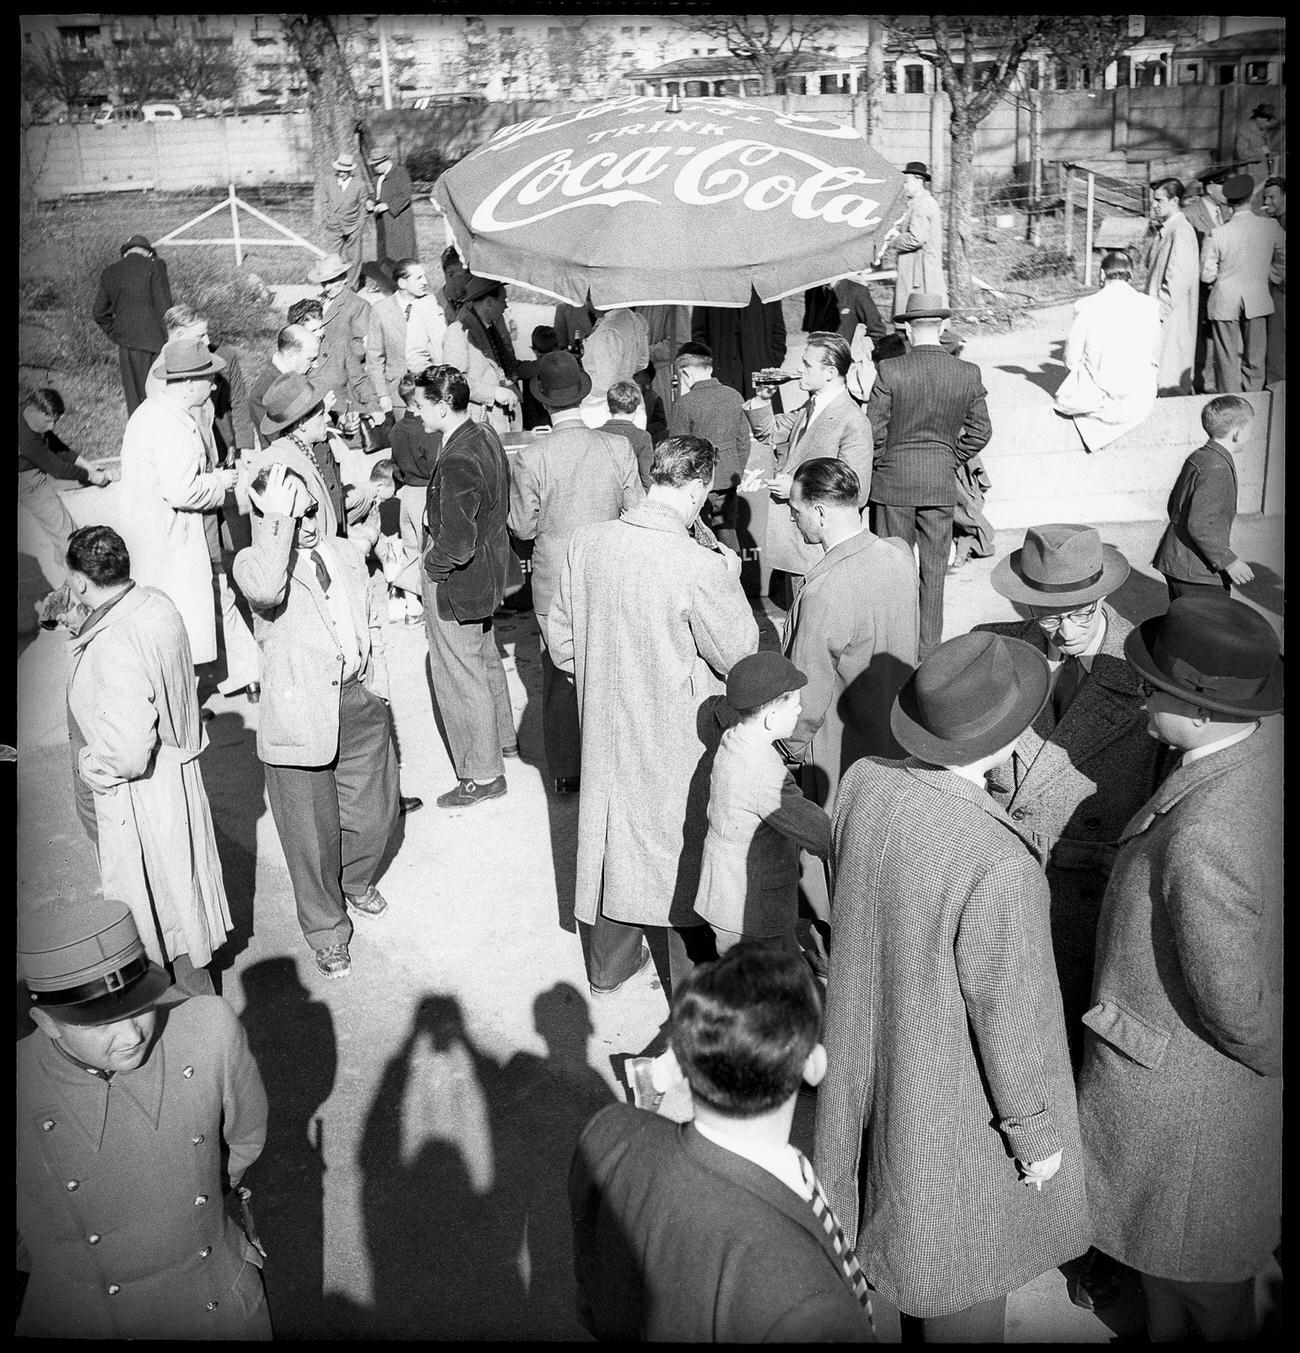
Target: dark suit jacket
column 714, row 411
column 742, row 341
column 466, row 546
column 643, row 447
column 1202, row 508
column 341, row 366
column 134, row 295
column 677, row 1238
column 928, row 415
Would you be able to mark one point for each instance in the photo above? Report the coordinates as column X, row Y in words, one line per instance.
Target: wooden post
column 1087, row 228
column 1035, row 167
column 1067, row 173
column 234, row 228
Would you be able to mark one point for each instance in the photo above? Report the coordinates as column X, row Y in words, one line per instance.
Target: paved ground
column 423, row 1112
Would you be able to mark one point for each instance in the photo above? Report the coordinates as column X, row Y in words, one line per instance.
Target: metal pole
column 1035, row 166
column 1087, row 229
column 383, row 62
column 234, row 227
column 1067, row 172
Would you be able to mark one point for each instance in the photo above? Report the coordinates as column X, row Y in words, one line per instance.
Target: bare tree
column 201, row 68
column 1087, row 41
column 950, row 43
column 142, row 70
column 769, row 42
column 52, row 73
column 336, row 119
column 578, row 56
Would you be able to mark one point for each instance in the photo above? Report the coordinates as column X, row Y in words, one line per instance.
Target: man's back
column 677, row 1238
column 1241, row 253
column 928, row 415
column 133, row 297
column 643, row 447
column 715, row 412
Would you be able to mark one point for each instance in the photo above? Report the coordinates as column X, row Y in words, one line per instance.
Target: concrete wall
column 1040, row 471
column 1175, row 129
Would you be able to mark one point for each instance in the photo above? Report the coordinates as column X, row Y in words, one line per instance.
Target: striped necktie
column 821, row 1207
column 810, row 407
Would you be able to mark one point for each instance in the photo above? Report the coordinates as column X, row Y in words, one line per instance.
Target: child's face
column 383, row 489
column 782, row 717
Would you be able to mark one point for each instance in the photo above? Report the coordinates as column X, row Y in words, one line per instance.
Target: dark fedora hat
column 1215, row 652
column 85, row 964
column 1239, row 188
column 919, row 168
column 378, row 157
column 286, row 401
column 185, row 359
column 478, row 287
column 1263, row 110
column 924, row 305
column 560, row 382
column 136, row 242
column 761, row 677
column 1060, row 565
column 1216, row 173
column 969, row 697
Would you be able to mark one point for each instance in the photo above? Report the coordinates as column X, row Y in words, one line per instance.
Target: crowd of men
column 1012, row 901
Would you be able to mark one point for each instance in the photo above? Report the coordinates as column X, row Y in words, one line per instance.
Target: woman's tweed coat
column 947, row 1057
column 1180, row 1098
column 649, row 623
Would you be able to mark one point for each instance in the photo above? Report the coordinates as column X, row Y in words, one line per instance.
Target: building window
column 506, row 32
column 913, row 80
column 1257, row 72
column 627, row 32
column 1225, row 75
column 1060, row 76
column 891, row 79
column 1189, row 73
column 695, row 89
column 644, row 32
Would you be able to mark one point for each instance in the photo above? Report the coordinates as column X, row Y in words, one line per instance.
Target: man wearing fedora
column 341, row 365
column 928, row 416
column 1259, row 145
column 134, row 295
column 1085, row 765
column 324, row 737
column 1240, row 259
column 389, row 202
column 125, row 1109
column 571, row 477
column 136, row 734
column 167, row 487
column 345, row 214
column 947, row 1135
column 1180, row 1097
column 918, row 237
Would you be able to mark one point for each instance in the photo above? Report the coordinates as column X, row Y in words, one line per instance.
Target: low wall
column 1040, row 471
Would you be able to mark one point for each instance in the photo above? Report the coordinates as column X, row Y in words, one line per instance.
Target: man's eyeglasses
column 1054, row 620
column 312, row 510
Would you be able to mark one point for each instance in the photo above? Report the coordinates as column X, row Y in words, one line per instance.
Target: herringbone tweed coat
column 1180, row 1098
column 649, row 623
column 1072, row 787
column 947, row 1056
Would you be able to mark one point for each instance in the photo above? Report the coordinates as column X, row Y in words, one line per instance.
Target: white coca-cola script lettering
column 758, row 174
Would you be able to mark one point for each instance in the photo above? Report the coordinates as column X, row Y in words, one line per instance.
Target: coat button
column 198, row 1141
column 212, row 1306
column 1018, row 815
column 48, row 1125
column 200, row 1200
column 187, row 1072
column 114, row 1289
column 205, row 1251
column 93, row 1240
column 1092, row 823
column 72, row 1185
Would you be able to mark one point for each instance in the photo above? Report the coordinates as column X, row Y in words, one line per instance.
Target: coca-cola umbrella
column 644, row 207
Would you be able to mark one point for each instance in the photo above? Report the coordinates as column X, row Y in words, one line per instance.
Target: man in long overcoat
column 391, row 205
column 134, row 295
column 1173, row 278
column 1180, row 1097
column 133, row 717
column 649, row 622
column 345, row 214
column 1085, row 765
column 918, row 235
column 947, row 1135
column 741, row 341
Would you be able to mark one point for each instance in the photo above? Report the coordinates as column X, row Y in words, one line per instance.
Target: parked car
column 130, row 112
column 161, row 112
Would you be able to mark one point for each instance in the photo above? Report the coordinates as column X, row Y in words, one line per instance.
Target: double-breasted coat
column 853, row 632
column 120, row 1184
column 1071, row 787
column 946, row 1050
column 920, row 251
column 1180, row 1097
column 1174, row 279
column 649, row 623
column 133, row 716
column 395, row 228
column 166, row 489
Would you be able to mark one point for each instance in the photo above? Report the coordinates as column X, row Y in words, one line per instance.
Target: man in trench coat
column 390, row 204
column 649, row 623
column 918, row 235
column 947, row 1136
column 1173, row 278
column 133, row 718
column 1180, row 1097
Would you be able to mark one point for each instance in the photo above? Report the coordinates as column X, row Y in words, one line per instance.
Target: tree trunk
column 961, row 204
column 766, row 75
column 875, row 81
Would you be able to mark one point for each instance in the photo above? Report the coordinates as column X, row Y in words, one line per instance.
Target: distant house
column 727, row 76
column 1254, row 58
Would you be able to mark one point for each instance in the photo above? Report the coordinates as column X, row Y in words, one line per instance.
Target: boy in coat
column 1180, row 1098
column 125, row 1110
column 1194, row 553
column 716, row 1231
column 948, row 1106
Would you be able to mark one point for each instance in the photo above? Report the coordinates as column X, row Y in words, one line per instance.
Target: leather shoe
column 609, row 991
column 409, row 805
column 371, row 905
column 470, row 792
column 568, row 785
column 253, row 692
column 637, row 1073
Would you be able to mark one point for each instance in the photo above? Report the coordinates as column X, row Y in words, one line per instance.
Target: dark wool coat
column 1195, row 547
column 1072, row 788
column 947, row 1056
column 742, row 341
column 134, row 295
column 1180, row 1098
column 395, row 228
column 678, row 1239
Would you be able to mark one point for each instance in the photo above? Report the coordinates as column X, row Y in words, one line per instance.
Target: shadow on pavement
column 1140, row 596
column 1265, row 589
column 292, row 1037
column 1046, row 377
column 463, row 1166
